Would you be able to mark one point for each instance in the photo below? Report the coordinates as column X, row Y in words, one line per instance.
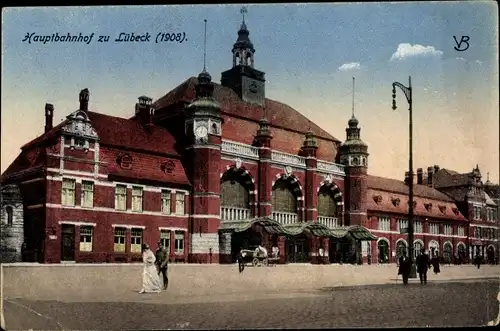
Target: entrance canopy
column 271, row 226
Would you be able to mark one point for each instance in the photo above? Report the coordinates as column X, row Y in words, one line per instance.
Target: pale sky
column 309, row 52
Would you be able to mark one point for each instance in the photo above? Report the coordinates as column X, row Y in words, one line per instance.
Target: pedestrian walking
column 162, row 263
column 477, row 261
column 435, row 264
column 240, row 258
column 404, row 268
column 423, row 263
column 150, row 278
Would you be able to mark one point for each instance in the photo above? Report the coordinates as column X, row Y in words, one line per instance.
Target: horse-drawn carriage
column 257, row 259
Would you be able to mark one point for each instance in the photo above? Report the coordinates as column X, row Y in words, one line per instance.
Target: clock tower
column 203, row 129
column 354, row 156
column 243, row 78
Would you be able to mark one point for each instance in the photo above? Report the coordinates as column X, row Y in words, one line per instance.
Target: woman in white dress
column 150, row 278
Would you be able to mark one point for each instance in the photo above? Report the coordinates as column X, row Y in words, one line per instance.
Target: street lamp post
column 407, row 91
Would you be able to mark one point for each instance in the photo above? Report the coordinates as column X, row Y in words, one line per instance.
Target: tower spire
column 205, row 49
column 353, row 80
column 243, row 11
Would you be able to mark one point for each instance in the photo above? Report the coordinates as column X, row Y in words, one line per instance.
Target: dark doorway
column 298, row 249
column 490, row 253
column 67, row 242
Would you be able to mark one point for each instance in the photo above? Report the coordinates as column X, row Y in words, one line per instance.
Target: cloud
column 460, row 58
column 479, row 62
column 407, row 50
column 350, row 66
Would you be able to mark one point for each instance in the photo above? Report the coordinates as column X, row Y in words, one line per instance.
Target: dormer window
column 125, row 161
column 168, row 167
column 428, row 206
column 442, row 208
column 377, row 199
column 455, row 210
column 414, row 204
column 395, row 201
column 80, row 143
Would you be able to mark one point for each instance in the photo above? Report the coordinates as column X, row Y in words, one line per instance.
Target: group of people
column 154, row 265
column 422, row 262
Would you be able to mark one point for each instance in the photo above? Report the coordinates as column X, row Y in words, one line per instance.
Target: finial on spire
column 205, row 49
column 243, row 11
column 353, row 80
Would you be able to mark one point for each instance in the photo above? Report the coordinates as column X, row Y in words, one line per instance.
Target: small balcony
column 234, row 213
column 330, row 222
column 285, row 218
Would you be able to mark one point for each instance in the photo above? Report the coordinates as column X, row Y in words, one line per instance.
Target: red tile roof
column 397, row 186
column 122, row 132
column 278, row 114
column 144, row 167
column 388, row 189
column 386, row 205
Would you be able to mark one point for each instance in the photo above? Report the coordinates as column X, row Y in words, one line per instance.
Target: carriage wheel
column 255, row 262
column 265, row 262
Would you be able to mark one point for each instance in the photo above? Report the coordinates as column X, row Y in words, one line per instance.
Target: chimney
column 84, row 100
column 407, row 178
column 436, row 168
column 420, row 176
column 144, row 112
column 49, row 116
column 430, row 172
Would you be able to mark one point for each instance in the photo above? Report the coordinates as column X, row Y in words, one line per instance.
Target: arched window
column 234, row 194
column 10, row 215
column 417, row 248
column 383, row 251
column 283, row 198
column 400, row 248
column 447, row 252
column 326, row 203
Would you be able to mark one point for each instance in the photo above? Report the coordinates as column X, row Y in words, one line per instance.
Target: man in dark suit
column 404, row 267
column 162, row 263
column 422, row 266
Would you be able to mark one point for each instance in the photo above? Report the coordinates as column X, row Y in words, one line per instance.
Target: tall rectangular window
column 448, row 230
column 418, row 227
column 179, row 204
column 179, row 242
column 165, row 239
column 120, row 239
column 68, row 192
column 137, row 199
column 384, row 224
column 86, row 239
column 433, row 228
column 165, row 202
column 136, row 240
column 87, row 194
column 461, row 231
column 403, row 224
column 121, row 197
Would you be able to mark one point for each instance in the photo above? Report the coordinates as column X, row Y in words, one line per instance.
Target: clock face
column 201, row 131
column 253, row 87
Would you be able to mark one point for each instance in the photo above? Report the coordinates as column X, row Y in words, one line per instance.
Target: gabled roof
column 121, row 132
column 278, row 114
column 449, row 178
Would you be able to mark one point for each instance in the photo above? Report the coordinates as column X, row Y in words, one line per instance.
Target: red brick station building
column 209, row 169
